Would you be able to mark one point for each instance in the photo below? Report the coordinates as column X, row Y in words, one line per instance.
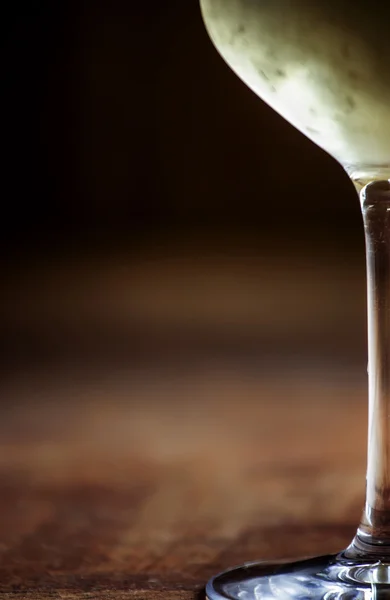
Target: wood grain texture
column 143, row 485
column 164, row 419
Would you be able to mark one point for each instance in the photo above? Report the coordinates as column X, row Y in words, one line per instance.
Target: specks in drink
column 263, row 74
column 312, row 131
column 345, row 51
column 350, row 103
column 238, row 34
column 270, row 54
column 353, row 75
column 280, row 73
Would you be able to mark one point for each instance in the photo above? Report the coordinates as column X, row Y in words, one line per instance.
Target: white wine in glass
column 324, row 65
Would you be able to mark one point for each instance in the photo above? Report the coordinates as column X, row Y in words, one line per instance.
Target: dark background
column 126, row 136
column 121, row 117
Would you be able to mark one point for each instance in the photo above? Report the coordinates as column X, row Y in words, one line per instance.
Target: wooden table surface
column 143, row 482
column 147, row 487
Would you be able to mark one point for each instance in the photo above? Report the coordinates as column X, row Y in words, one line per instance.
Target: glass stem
column 373, row 535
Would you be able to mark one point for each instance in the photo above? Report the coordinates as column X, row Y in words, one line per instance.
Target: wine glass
column 324, row 66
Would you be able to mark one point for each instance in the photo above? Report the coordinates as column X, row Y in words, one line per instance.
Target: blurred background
column 182, row 315
column 157, row 213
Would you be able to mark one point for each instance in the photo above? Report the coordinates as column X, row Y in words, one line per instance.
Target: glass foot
column 332, row 577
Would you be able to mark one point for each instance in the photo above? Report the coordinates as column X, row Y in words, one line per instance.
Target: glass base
column 332, row 577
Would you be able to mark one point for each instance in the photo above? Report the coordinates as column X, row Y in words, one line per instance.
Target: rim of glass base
column 328, row 577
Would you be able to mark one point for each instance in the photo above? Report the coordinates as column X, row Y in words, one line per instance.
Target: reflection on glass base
column 332, row 577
